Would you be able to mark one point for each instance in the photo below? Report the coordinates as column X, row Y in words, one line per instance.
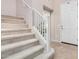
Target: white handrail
column 26, row 4
column 39, row 23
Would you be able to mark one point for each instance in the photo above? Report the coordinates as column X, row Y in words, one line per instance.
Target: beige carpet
column 64, row 51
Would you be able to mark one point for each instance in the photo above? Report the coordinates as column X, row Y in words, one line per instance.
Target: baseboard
column 69, row 43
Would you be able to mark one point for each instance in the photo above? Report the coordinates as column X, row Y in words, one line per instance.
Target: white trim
column 39, row 36
column 44, row 42
column 33, row 9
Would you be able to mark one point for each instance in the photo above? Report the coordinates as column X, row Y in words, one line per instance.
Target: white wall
column 55, row 17
column 17, row 8
column 23, row 11
column 38, row 4
column 8, row 7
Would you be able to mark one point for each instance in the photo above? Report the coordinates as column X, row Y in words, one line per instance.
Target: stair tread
column 16, row 29
column 12, row 17
column 5, row 20
column 12, row 24
column 16, row 35
column 17, row 44
column 25, row 53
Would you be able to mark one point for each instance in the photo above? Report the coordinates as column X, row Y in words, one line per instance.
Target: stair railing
column 39, row 23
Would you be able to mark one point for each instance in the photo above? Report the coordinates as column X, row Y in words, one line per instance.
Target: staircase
column 17, row 40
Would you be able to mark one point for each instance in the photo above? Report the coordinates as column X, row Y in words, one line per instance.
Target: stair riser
column 16, row 39
column 17, row 49
column 15, row 32
column 12, row 21
column 32, row 56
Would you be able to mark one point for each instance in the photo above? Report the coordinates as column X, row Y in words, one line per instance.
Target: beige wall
column 8, row 7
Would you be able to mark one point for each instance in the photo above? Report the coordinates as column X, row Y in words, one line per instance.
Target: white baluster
column 39, row 23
